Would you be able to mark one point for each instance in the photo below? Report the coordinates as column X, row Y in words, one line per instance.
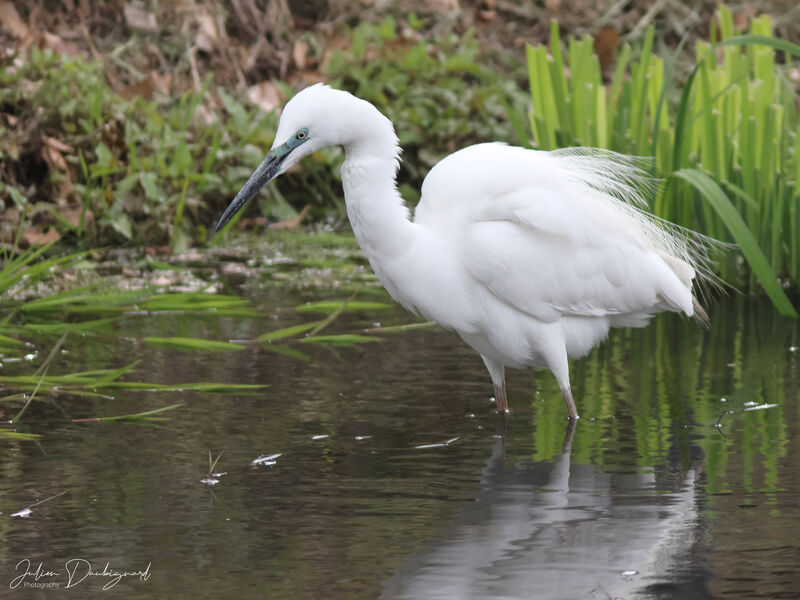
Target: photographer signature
column 75, row 571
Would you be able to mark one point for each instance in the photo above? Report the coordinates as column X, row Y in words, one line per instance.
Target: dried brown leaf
column 138, row 18
column 54, row 159
column 58, row 45
column 300, row 54
column 57, row 144
column 606, row 43
column 36, row 236
column 266, row 95
column 72, row 215
column 144, row 88
column 294, row 222
column 207, row 26
column 741, row 19
column 553, row 5
column 12, row 22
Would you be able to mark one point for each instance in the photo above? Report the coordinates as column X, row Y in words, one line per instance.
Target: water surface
column 680, row 480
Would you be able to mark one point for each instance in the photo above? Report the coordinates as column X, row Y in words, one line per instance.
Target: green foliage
column 736, row 120
column 150, row 172
column 157, row 172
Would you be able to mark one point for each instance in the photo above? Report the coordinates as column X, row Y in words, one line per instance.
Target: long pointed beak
column 265, row 172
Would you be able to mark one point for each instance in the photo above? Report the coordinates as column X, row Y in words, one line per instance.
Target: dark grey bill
column 261, row 176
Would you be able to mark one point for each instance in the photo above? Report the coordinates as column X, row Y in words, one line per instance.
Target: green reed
column 726, row 146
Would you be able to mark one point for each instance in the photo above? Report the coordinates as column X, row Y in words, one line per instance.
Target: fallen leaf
column 300, row 54
column 485, row 11
column 741, row 19
column 553, row 5
column 205, row 115
column 57, row 144
column 139, row 18
column 208, row 25
column 247, row 224
column 72, row 215
column 309, row 77
column 52, row 154
column 207, row 34
column 293, row 223
column 266, row 95
column 36, row 236
column 54, row 158
column 58, row 44
column 606, row 43
column 144, row 88
column 11, row 21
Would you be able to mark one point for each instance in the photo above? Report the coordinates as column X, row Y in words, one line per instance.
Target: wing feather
column 555, row 234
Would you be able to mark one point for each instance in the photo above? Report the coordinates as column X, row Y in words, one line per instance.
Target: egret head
column 316, row 117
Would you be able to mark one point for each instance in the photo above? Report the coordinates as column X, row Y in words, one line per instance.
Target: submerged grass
column 141, row 417
column 189, row 344
column 23, row 319
column 312, row 329
column 43, row 368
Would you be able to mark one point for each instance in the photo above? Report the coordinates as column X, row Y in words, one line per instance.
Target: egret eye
column 301, row 135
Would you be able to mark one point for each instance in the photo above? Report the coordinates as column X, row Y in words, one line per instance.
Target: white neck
column 378, row 215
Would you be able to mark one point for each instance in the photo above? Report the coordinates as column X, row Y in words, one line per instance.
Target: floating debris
column 26, row 512
column 209, row 481
column 758, row 407
column 267, row 460
column 439, row 445
column 322, row 436
column 362, row 437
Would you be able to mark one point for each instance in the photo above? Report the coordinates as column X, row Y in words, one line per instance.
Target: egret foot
column 500, row 398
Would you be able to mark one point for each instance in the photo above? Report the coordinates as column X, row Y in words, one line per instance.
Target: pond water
column 680, row 481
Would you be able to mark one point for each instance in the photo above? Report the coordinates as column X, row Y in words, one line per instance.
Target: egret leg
column 502, row 422
column 570, row 402
column 569, row 434
column 557, row 363
column 500, row 397
column 498, row 373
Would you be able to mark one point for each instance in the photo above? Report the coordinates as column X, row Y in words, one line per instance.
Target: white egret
column 529, row 256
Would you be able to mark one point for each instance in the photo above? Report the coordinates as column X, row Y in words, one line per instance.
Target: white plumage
column 529, row 256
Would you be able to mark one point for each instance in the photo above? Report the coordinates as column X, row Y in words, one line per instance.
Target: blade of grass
column 183, row 343
column 280, row 334
column 742, row 235
column 43, row 368
column 325, row 306
column 218, row 388
column 400, row 328
column 19, row 436
column 142, row 416
column 213, row 464
column 345, row 339
column 334, row 315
